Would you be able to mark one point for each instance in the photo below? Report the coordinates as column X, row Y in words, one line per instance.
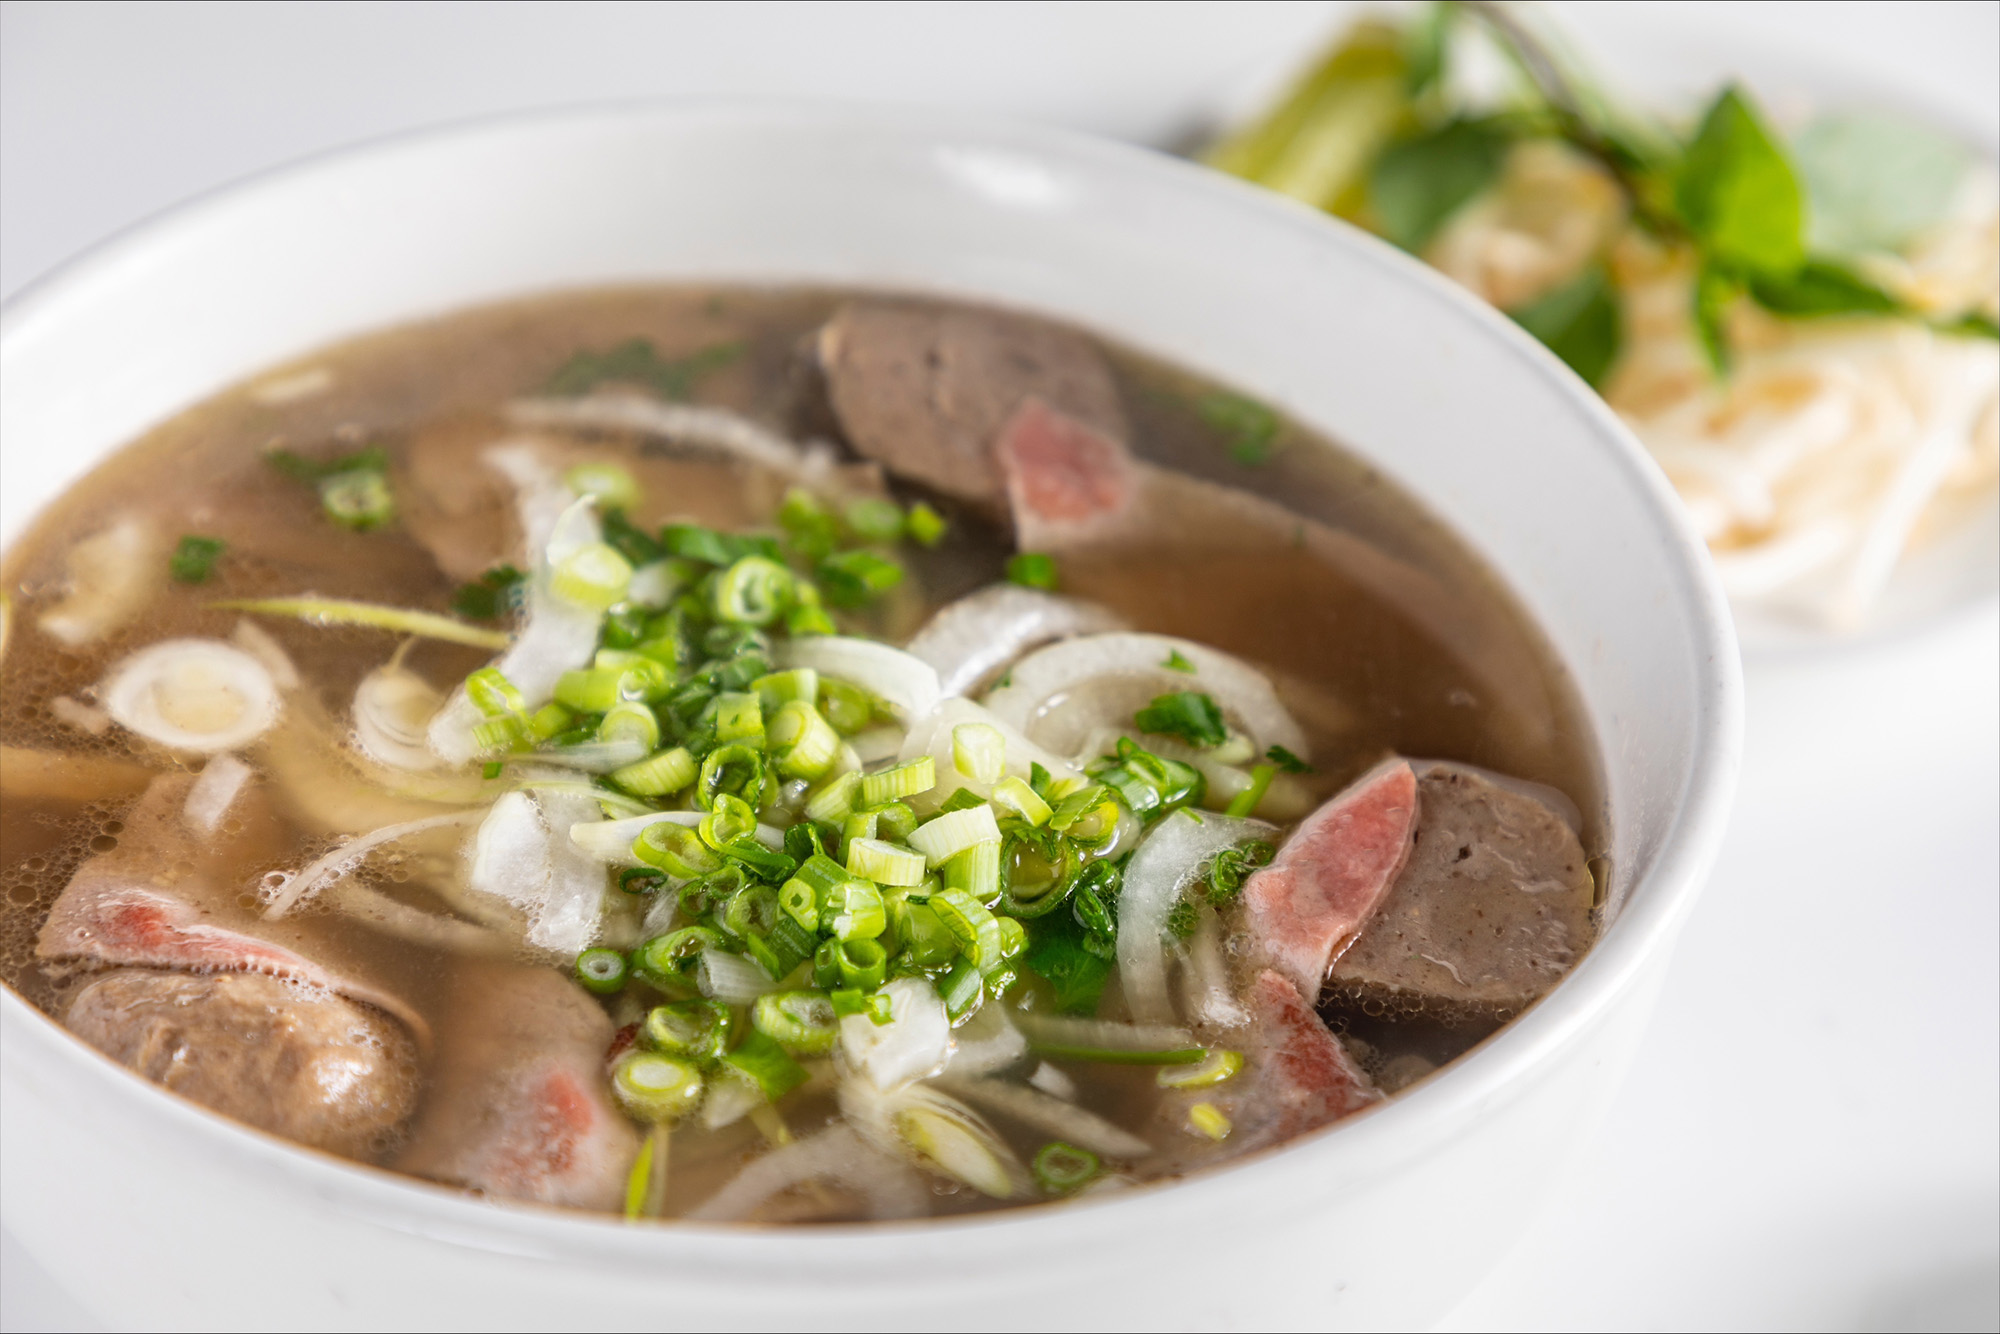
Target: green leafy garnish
column 1579, row 322
column 1032, row 569
column 856, row 578
column 1419, row 182
column 1186, row 714
column 353, row 489
column 194, row 558
column 1176, row 663
column 635, row 362
column 1248, row 428
column 1287, row 761
column 1232, row 866
column 493, row 594
column 1737, row 193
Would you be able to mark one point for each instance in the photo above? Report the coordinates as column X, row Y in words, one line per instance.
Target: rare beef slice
column 295, row 1060
column 1493, row 907
column 519, row 1106
column 925, row 389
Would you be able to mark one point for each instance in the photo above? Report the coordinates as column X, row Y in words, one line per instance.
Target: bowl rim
column 1645, row 927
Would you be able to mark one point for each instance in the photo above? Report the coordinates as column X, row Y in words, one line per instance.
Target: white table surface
column 1811, row 1135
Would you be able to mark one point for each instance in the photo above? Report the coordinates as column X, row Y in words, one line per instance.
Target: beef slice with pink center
column 1328, row 879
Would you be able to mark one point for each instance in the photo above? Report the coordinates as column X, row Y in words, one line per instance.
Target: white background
column 1811, row 1136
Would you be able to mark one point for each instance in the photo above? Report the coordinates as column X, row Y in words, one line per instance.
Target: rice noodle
column 837, row 1155
column 1033, row 1107
column 375, row 909
column 343, row 859
column 715, row 429
column 214, row 792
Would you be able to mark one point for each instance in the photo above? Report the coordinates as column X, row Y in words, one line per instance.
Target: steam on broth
column 775, row 755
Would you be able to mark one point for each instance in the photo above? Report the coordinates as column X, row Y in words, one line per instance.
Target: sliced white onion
column 733, row 978
column 1154, row 878
column 1128, row 667
column 908, row 684
column 393, row 708
column 526, row 854
column 986, row 1042
column 556, row 636
column 731, row 1096
column 349, row 855
column 198, row 695
column 973, row 638
column 875, row 744
column 936, row 1132
column 1053, row 1082
column 111, row 575
column 1065, row 1030
column 212, row 794
column 509, row 853
column 1210, row 1001
column 838, row 1155
column 1032, row 1107
column 611, row 840
column 255, row 640
column 914, row 1044
column 83, row 717
column 654, row 585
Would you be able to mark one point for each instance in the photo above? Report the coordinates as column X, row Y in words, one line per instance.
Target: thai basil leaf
column 1737, row 192
column 1876, row 180
column 1820, row 287
column 1579, row 322
column 1419, row 182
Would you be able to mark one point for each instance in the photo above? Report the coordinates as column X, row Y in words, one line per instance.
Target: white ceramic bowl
column 155, row 1213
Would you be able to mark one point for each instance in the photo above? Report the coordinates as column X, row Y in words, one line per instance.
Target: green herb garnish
column 1032, row 569
column 194, row 558
column 1249, row 430
column 1287, row 761
column 1176, row 663
column 635, row 362
column 1186, row 714
column 493, row 594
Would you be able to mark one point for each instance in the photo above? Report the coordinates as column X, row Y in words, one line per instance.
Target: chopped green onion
column 492, row 693
column 1062, row 1168
column 947, row 835
column 646, row 1189
column 194, row 558
column 963, row 799
column 550, row 720
column 923, row 933
column 1013, row 939
column 962, row 989
column 972, row 925
column 657, row 775
column 694, row 1030
column 491, row 770
column 979, row 751
column 641, row 880
column 1015, row 795
column 341, row 611
column 590, row 689
column 847, row 706
column 601, row 971
column 507, row 732
column 739, row 716
column 856, row 578
column 753, row 591
column 734, row 770
column 802, row 1022
column 610, row 484
column 863, row 962
column 833, row 800
column 905, row 780
column 875, row 519
column 806, row 615
column 1089, row 814
column 360, row 500
column 884, row 863
column 926, row 526
column 854, row 1000
column 976, row 871
column 767, row 1064
column 653, row 1087
column 811, row 529
column 1205, row 1118
column 805, row 743
column 644, row 677
column 629, row 720
column 666, row 961
column 1187, row 714
column 1244, row 803
column 593, row 576
column 779, row 688
column 854, row 911
column 1216, row 1067
column 1287, row 761
column 822, row 874
column 728, row 820
column 800, row 903
column 712, row 548
column 675, row 849
column 1032, row 569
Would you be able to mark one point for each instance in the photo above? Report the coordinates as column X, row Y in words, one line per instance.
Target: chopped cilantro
column 1032, row 569
column 1249, row 430
column 491, row 595
column 636, row 362
column 1190, row 716
column 194, row 559
column 1176, row 663
column 1287, row 761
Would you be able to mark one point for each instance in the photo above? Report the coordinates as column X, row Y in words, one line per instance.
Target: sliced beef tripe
column 1493, row 908
column 518, row 1105
column 925, row 388
column 297, row 1061
column 1331, row 875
